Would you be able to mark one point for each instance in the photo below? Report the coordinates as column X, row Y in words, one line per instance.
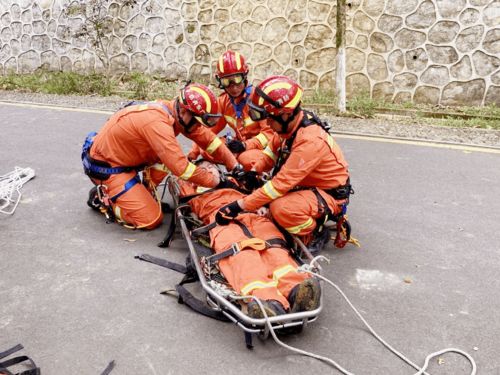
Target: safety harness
column 100, row 170
column 340, row 193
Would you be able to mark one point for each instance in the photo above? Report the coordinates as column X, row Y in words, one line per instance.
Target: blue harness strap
column 238, row 108
column 130, row 183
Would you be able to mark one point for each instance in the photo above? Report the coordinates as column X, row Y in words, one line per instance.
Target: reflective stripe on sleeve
column 296, row 229
column 230, row 120
column 160, row 167
column 267, row 151
column 270, row 190
column 188, row 172
column 262, row 139
column 258, row 284
column 214, row 145
column 248, row 121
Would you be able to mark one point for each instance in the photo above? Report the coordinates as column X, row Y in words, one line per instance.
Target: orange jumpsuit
column 255, row 134
column 267, row 274
column 145, row 135
column 315, row 161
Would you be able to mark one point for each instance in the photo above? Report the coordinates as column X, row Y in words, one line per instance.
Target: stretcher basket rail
column 293, row 322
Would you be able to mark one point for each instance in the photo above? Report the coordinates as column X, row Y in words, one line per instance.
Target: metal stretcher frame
column 222, row 304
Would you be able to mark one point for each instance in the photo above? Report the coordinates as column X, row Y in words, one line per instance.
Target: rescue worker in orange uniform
column 142, row 137
column 249, row 136
column 270, row 273
column 310, row 179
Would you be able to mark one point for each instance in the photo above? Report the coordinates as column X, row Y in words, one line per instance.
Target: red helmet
column 231, row 63
column 275, row 96
column 201, row 102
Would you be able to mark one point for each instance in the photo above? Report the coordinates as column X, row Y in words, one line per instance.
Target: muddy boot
column 305, row 296
column 272, row 307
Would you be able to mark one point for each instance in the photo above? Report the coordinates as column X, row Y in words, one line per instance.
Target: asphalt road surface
column 425, row 277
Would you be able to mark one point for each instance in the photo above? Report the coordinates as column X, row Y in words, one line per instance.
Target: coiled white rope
column 307, row 268
column 10, row 188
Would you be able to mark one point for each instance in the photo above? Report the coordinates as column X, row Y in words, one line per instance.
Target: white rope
column 307, row 268
column 10, row 188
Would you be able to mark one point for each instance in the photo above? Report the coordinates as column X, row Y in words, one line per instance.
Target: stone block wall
column 430, row 51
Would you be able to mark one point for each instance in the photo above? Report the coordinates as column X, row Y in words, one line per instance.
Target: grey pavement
column 425, row 277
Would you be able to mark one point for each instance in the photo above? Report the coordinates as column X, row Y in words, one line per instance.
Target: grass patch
column 133, row 85
column 476, row 123
column 61, row 83
column 362, row 105
column 139, row 86
column 320, row 97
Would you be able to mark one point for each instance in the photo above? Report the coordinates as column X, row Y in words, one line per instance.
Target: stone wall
column 431, row 51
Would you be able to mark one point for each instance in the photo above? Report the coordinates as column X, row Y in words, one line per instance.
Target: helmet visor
column 256, row 113
column 231, row 80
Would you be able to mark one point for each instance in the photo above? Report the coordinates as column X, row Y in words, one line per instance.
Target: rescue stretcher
column 220, row 297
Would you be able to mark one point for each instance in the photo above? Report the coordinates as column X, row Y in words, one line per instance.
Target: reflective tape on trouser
column 282, row 271
column 248, row 288
column 296, row 229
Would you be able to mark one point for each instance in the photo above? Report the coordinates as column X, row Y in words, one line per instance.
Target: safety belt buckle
column 236, row 248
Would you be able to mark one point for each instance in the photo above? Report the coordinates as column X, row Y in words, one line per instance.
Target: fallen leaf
column 407, row 280
column 130, row 239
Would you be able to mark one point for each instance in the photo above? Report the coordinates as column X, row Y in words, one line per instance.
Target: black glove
column 227, row 213
column 238, row 171
column 236, row 146
column 227, row 184
column 252, row 181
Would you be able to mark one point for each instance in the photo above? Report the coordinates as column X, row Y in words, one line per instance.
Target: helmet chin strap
column 191, row 123
column 285, row 123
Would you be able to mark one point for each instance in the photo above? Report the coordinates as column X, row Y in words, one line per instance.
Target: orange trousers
column 137, row 207
column 297, row 211
column 267, row 274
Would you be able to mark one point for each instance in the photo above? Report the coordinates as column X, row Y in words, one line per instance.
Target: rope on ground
column 10, row 188
column 420, row 371
column 307, row 268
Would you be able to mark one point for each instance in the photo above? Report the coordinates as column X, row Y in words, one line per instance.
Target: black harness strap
column 162, row 262
column 109, row 368
column 11, row 351
column 187, row 298
column 184, row 295
column 308, row 119
column 16, row 360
